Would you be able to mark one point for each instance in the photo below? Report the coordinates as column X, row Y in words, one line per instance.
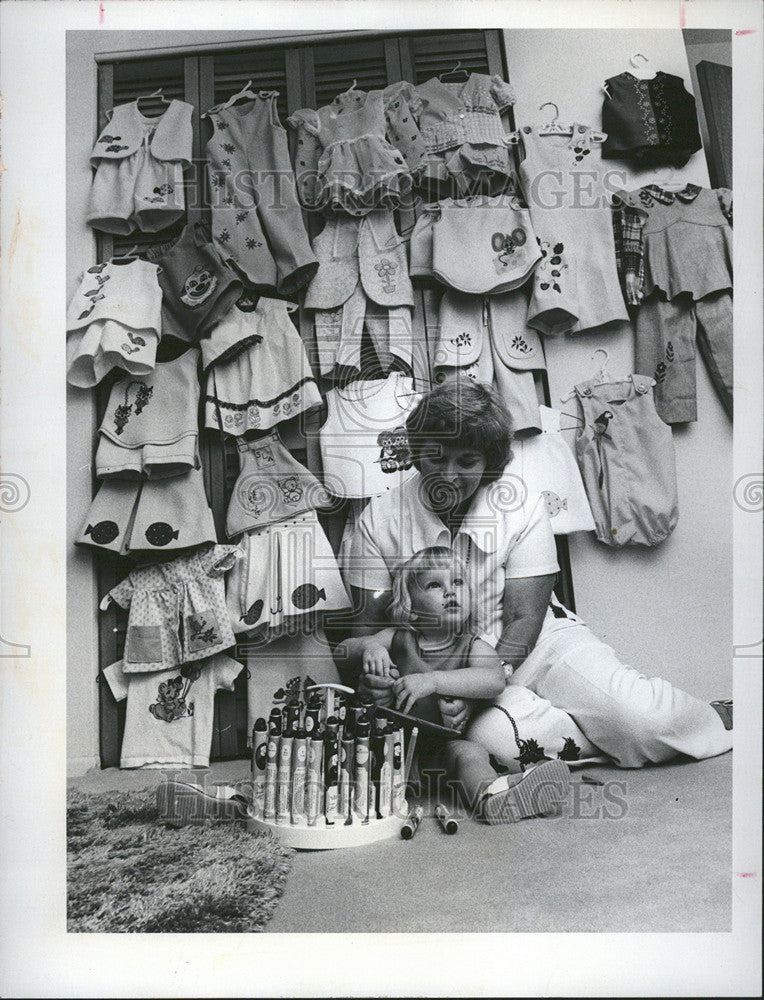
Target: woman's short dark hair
column 460, row 413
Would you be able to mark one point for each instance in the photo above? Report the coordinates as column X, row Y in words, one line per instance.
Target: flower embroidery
column 521, row 344
column 662, row 367
column 251, row 243
column 226, row 162
column 217, row 180
column 463, row 339
column 224, row 237
column 240, row 217
column 385, row 269
column 551, row 265
column 228, row 147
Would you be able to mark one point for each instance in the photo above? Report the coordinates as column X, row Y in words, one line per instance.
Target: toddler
column 435, row 653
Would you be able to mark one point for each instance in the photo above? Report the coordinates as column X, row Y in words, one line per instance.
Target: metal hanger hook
column 601, row 350
column 640, row 56
column 551, row 104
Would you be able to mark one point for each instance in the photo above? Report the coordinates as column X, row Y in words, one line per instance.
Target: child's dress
column 575, row 284
column 649, row 122
column 364, row 443
column 288, row 571
column 362, row 284
column 272, row 486
column 139, row 164
column 177, row 609
column 461, row 125
column 357, row 169
column 155, row 515
column 680, row 246
column 267, row 381
column 169, row 715
column 197, row 289
column 113, row 320
column 257, row 224
column 150, row 426
column 477, row 245
column 626, row 456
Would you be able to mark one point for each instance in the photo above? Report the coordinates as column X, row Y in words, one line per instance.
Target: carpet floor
column 647, row 850
column 125, row 872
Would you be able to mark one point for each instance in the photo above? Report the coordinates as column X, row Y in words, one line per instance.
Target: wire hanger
column 457, row 74
column 671, row 182
column 555, row 127
column 644, row 69
column 157, row 93
column 246, row 92
column 128, row 255
column 601, row 377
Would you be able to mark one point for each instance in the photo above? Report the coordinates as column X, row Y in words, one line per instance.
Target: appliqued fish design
column 110, row 138
column 135, row 339
column 130, row 350
column 86, row 313
column 115, row 148
column 307, row 596
column 103, row 532
column 160, row 533
column 554, row 503
column 96, row 269
column 255, row 610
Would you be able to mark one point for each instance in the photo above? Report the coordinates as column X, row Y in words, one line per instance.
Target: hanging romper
column 685, row 259
column 139, row 164
column 257, row 223
column 575, row 284
column 626, row 456
column 113, row 320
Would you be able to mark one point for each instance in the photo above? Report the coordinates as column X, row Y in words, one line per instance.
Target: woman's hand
column 455, row 712
column 376, row 660
column 411, row 688
column 379, row 689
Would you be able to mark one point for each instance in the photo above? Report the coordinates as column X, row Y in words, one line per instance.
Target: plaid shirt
column 628, row 223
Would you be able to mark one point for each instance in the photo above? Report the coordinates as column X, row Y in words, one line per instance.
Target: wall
column 668, row 610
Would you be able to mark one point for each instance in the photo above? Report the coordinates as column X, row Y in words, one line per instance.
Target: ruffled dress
column 357, row 169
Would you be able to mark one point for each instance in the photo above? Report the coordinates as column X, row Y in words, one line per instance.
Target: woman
column 460, row 437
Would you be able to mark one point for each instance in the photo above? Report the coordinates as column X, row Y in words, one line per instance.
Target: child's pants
column 665, row 350
column 634, row 719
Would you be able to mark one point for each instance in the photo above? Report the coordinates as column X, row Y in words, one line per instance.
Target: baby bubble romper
column 626, row 456
column 114, row 320
column 139, row 163
column 257, row 223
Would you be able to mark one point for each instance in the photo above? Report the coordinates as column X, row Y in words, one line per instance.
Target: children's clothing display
column 626, row 456
column 177, row 609
column 288, row 570
column 680, row 245
column 197, row 289
column 357, row 169
column 153, row 516
column 649, row 122
column 362, row 284
column 544, row 464
column 487, row 340
column 269, row 381
column 149, row 428
column 257, row 224
column 169, row 715
column 114, row 321
column 503, row 250
column 364, row 445
column 272, row 486
column 463, row 132
column 139, row 161
column 575, row 284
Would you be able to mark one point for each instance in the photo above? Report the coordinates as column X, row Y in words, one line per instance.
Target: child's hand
column 376, row 660
column 411, row 688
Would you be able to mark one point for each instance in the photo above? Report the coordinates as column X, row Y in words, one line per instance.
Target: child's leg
column 539, row 791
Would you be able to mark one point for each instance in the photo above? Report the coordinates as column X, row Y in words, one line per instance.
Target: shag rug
column 127, row 873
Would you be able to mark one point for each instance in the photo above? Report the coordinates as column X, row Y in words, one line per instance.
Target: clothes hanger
column 644, row 70
column 245, row 92
column 670, row 182
column 157, row 93
column 601, row 377
column 127, row 256
column 554, row 127
column 457, row 75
